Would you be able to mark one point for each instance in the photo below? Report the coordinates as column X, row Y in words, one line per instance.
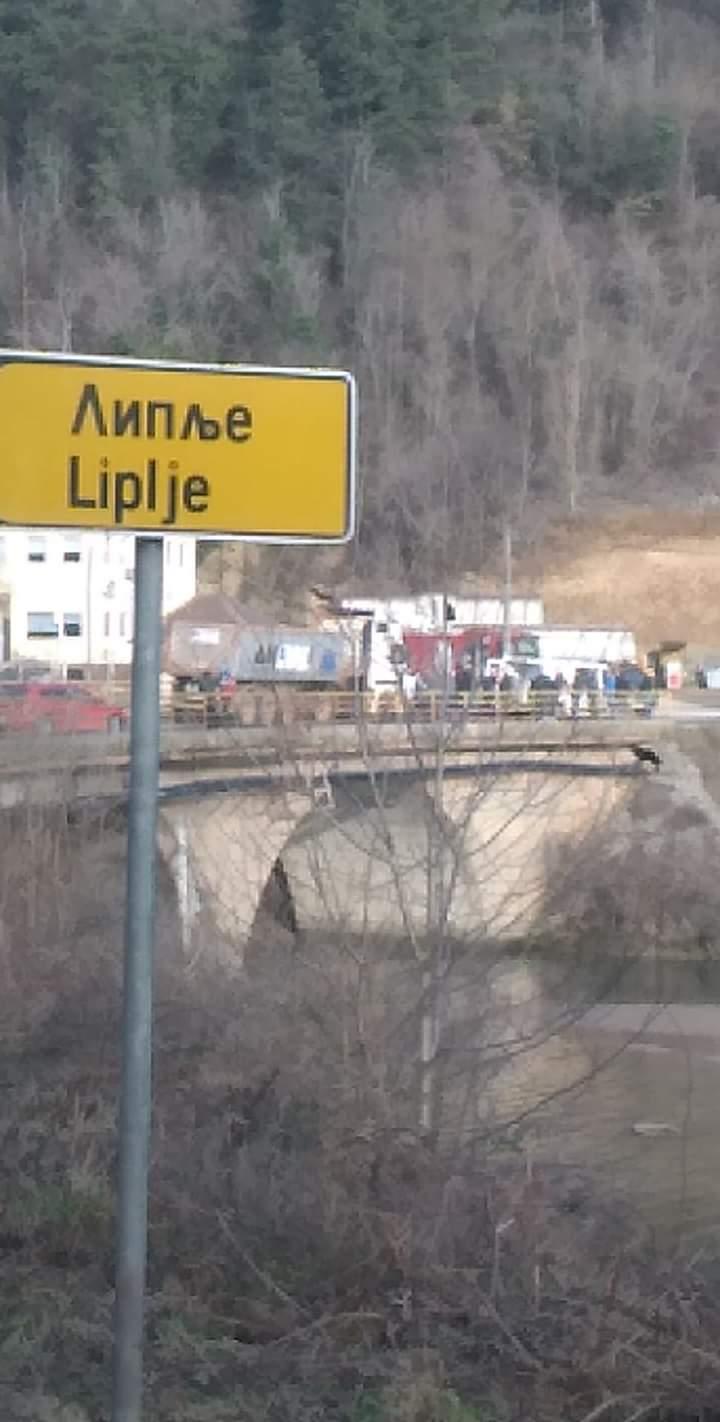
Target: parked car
column 62, row 706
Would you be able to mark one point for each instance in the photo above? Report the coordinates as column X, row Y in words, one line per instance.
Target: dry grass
column 654, row 571
column 658, row 574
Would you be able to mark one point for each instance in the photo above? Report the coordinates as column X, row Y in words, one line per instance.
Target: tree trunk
column 434, row 974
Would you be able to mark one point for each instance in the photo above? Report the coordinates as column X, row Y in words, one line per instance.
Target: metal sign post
column 255, row 453
column 136, row 1091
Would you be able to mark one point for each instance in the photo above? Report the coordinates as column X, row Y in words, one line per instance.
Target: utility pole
column 507, row 600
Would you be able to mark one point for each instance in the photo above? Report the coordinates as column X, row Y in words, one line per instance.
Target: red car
column 63, row 706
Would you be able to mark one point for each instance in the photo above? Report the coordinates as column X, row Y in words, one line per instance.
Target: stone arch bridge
column 478, row 848
column 395, row 839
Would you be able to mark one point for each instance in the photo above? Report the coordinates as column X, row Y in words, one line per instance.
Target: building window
column 106, row 625
column 42, row 624
column 72, row 624
column 123, row 621
column 71, row 551
column 37, row 550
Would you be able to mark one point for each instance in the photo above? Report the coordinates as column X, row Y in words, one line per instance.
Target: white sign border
column 306, row 372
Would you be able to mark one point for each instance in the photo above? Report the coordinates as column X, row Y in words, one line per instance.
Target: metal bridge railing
column 256, row 706
column 285, row 706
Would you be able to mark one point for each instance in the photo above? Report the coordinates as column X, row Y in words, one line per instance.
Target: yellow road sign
column 221, row 451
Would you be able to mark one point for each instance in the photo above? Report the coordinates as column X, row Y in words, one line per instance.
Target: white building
column 69, row 597
column 425, row 613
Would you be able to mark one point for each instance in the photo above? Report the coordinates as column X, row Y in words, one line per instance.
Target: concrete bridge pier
column 185, row 880
column 221, row 853
column 355, row 861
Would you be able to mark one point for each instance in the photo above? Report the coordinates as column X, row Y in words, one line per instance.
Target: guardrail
column 285, row 706
column 273, row 705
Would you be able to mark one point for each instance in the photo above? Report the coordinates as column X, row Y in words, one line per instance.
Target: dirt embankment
column 657, row 574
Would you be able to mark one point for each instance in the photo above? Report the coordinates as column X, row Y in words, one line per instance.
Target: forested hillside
column 504, row 215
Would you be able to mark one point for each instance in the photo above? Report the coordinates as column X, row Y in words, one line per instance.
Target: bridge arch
column 399, row 855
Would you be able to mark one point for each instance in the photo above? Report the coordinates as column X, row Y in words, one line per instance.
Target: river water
column 648, row 1121
column 628, row 1091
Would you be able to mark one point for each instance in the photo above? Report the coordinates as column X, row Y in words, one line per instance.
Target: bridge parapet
column 58, row 767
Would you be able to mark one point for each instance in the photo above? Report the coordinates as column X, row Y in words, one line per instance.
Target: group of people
column 586, row 688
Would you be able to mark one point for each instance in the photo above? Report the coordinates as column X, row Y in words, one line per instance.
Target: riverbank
column 310, row 1258
column 313, row 1254
column 298, row 1271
